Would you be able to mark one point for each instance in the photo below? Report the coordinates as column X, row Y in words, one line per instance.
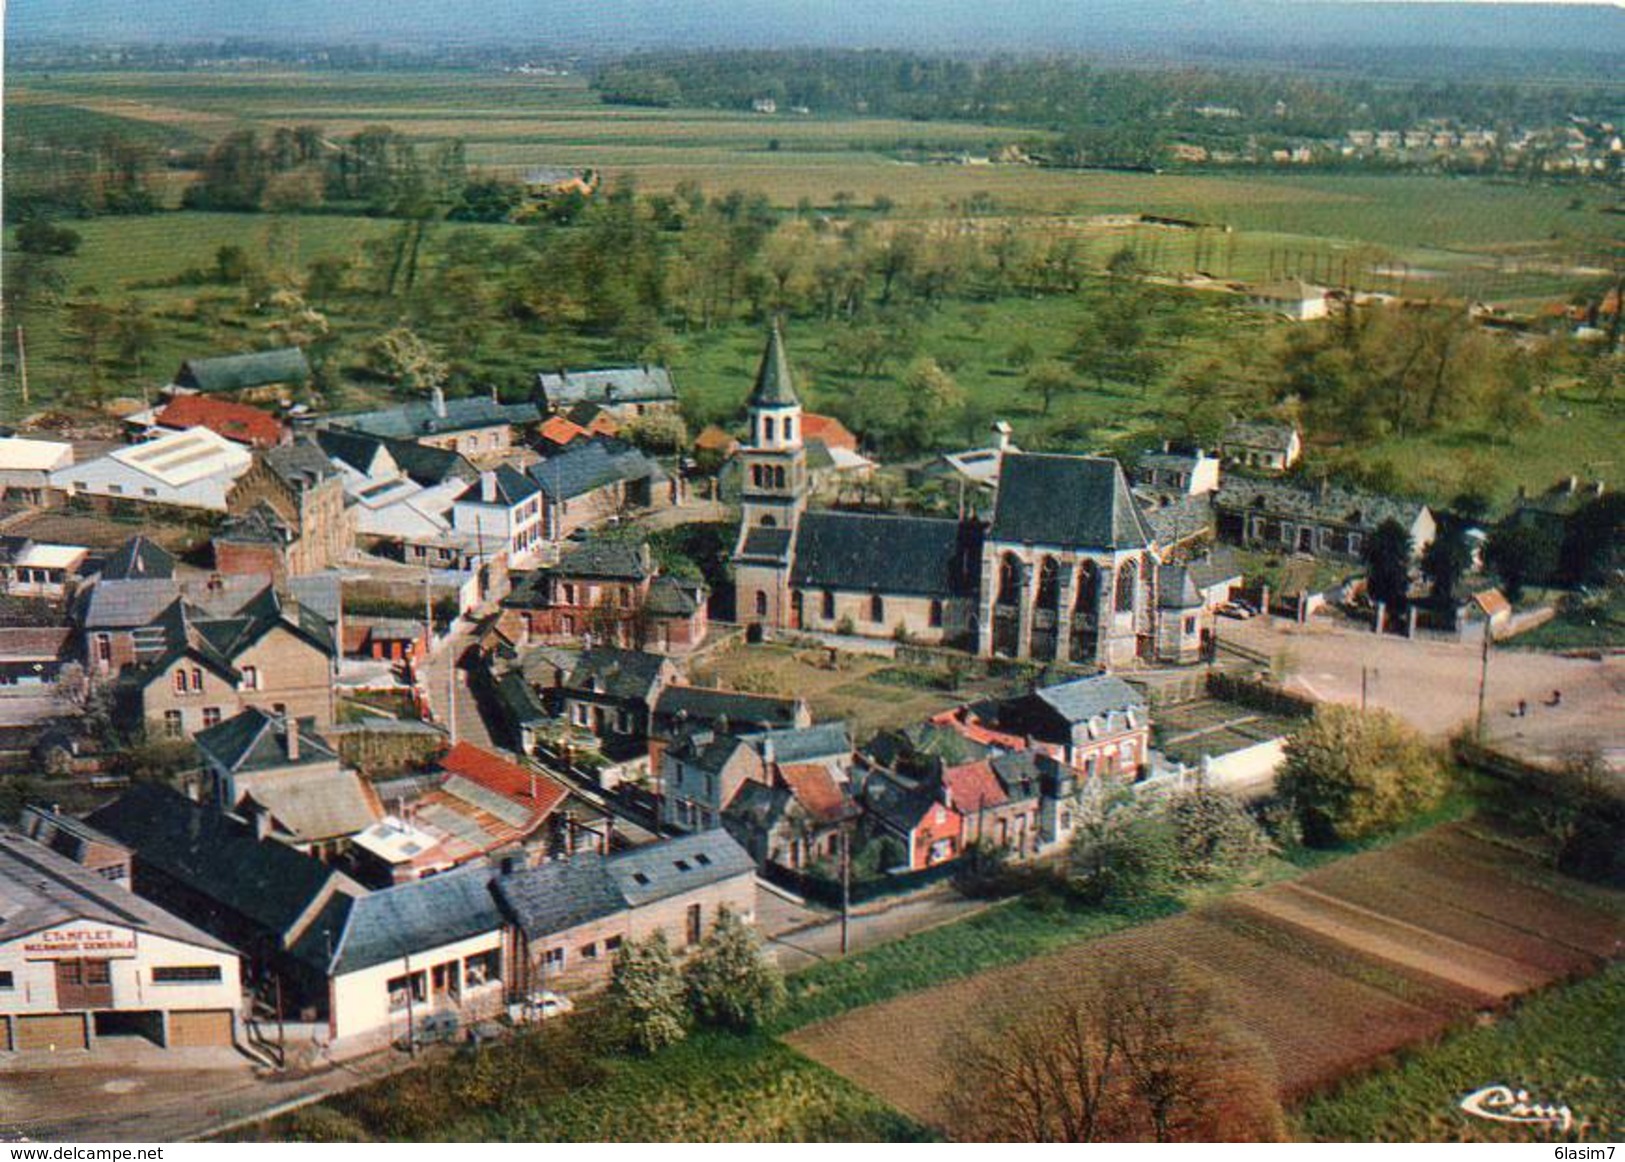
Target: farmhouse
column 569, row 916
column 624, row 392
column 26, row 467
column 1261, row 446
column 1320, row 520
column 287, row 780
column 82, row 959
column 473, row 426
column 191, row 469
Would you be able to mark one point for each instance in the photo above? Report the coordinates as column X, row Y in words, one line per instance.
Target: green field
column 1565, row 1047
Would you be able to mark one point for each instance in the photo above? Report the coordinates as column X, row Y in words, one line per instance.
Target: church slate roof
column 882, row 553
column 1069, row 501
column 775, row 388
column 764, row 544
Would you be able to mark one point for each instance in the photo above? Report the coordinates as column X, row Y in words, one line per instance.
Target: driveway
column 1434, row 685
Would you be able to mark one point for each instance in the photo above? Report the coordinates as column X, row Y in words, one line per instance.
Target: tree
column 1388, row 565
column 1137, row 1053
column 1049, row 379
column 933, row 396
column 732, row 984
column 647, row 994
column 1522, row 552
column 1351, row 774
column 1444, row 561
column 1127, row 856
column 1594, row 541
column 400, row 356
column 42, row 236
column 1214, row 835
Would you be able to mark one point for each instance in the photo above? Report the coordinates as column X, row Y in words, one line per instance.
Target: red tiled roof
column 508, row 779
column 829, row 430
column 974, row 787
column 815, row 789
column 961, row 720
column 234, row 421
column 561, row 431
column 1493, row 602
column 603, row 424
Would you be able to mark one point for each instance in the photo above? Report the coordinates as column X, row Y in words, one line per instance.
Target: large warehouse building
column 84, row 958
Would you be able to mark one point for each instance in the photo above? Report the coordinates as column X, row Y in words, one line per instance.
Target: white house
column 82, row 958
column 191, row 469
column 1293, row 298
column 26, row 466
column 503, row 510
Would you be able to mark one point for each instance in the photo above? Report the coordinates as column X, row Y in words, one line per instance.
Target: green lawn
column 1564, row 1047
column 1598, row 624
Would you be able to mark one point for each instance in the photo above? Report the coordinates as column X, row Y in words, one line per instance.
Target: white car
column 540, row 1006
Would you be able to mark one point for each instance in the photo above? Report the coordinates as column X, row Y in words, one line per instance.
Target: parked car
column 543, row 1005
column 1240, row 610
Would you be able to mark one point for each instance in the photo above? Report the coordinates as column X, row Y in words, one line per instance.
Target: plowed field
column 1331, row 971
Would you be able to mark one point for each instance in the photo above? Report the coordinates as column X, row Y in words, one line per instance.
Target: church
column 1067, row 570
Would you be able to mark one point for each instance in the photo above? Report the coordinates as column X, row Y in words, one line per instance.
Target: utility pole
column 846, row 882
column 411, row 1021
column 22, row 364
column 1483, row 680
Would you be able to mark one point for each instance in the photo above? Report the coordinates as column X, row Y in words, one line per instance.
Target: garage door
column 195, row 1027
column 61, row 1030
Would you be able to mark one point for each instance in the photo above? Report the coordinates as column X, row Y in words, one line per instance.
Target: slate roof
column 254, row 741
column 139, row 559
column 486, row 801
column 235, row 421
column 126, row 604
column 607, row 558
column 430, row 466
column 630, row 674
column 607, row 386
column 34, row 643
column 882, row 553
column 1066, row 501
column 902, row 807
column 805, row 743
column 236, row 372
column 766, row 544
column 40, row 888
column 588, row 465
column 213, row 856
column 1218, row 566
column 775, row 388
column 1086, row 698
column 672, row 597
column 757, row 806
column 556, row 896
column 1259, row 434
column 511, row 487
column 416, row 418
column 1183, row 518
column 1020, row 773
column 410, row 918
column 260, row 525
column 299, row 465
column 697, row 705
column 1326, row 503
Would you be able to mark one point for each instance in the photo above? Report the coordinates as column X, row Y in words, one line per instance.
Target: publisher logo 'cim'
column 1502, row 1103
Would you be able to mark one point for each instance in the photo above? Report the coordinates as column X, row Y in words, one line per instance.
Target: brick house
column 930, row 831
column 568, row 917
column 611, row 693
column 1099, row 725
column 607, row 591
column 700, row 773
column 288, row 515
column 591, row 481
column 193, row 670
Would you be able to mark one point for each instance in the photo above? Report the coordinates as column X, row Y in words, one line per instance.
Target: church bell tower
column 773, row 491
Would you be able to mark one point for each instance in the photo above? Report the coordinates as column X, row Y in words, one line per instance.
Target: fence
column 1259, row 695
column 827, row 890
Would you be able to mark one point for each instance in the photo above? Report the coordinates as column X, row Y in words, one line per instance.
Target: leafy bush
column 731, row 982
column 647, row 995
column 1215, row 835
column 42, row 236
column 1351, row 774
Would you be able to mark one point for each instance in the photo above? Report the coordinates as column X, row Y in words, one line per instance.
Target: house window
column 251, row 678
column 398, row 986
column 6, row 981
column 761, row 603
column 829, row 605
column 612, row 943
column 935, row 619
column 589, row 952
column 877, row 608
column 180, row 681
column 104, row 648
column 186, row 974
column 482, row 968
column 553, row 960
column 116, row 489
column 623, row 721
column 173, row 727
column 693, row 926
column 197, row 680
column 1190, row 625
column 211, row 716
column 149, row 492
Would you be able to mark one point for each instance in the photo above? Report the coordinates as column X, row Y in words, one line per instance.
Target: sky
column 970, row 25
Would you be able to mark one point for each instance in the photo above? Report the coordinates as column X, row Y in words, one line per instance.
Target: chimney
column 767, row 752
column 293, row 738
column 438, row 398
column 262, row 822
column 494, row 398
column 1001, row 435
column 488, row 487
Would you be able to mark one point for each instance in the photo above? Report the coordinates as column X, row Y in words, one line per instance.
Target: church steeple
column 774, row 386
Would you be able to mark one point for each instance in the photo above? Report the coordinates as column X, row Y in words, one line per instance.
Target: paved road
column 470, row 724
